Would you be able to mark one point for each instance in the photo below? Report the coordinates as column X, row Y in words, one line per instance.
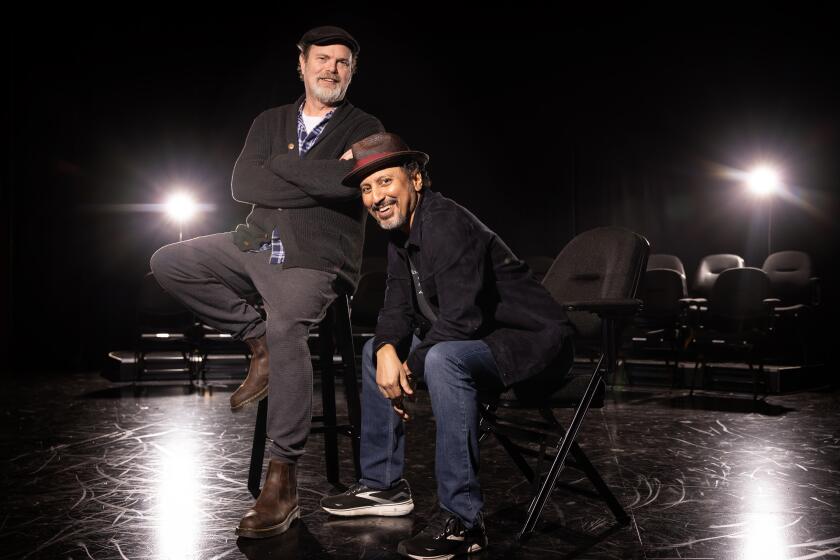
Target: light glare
column 763, row 180
column 180, row 207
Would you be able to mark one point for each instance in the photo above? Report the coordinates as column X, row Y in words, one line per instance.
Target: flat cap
column 328, row 35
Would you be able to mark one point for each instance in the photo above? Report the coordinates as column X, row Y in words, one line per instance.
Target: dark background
column 543, row 125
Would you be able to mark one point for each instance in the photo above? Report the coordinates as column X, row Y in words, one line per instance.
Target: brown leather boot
column 255, row 385
column 277, row 505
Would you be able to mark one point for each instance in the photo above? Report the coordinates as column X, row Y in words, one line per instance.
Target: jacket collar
column 415, row 234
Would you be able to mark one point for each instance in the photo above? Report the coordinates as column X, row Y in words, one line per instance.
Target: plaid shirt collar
column 306, row 141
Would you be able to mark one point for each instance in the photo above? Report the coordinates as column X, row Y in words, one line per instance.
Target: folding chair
column 595, row 277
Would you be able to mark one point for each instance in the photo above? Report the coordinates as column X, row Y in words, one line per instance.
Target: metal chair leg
column 258, row 449
column 538, row 503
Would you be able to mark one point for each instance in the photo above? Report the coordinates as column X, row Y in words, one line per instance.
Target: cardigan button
column 291, row 146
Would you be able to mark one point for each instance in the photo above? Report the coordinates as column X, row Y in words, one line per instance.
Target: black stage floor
column 94, row 471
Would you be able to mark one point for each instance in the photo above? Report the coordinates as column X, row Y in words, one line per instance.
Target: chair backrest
column 739, row 294
column 661, row 260
column 790, row 275
column 602, row 263
column 661, row 291
column 710, row 268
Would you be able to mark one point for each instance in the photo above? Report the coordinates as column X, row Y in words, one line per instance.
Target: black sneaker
column 453, row 540
column 361, row 500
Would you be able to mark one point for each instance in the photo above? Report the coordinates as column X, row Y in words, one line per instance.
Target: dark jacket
column 477, row 288
column 321, row 222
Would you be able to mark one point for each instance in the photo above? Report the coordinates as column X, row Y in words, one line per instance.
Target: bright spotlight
column 180, row 207
column 763, row 180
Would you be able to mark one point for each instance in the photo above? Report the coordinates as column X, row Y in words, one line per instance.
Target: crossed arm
column 286, row 180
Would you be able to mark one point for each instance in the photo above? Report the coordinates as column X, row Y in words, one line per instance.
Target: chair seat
column 567, row 396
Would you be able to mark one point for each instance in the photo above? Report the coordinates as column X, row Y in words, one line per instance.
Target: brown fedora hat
column 380, row 151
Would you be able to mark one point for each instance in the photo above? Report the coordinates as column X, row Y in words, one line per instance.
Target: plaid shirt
column 305, row 142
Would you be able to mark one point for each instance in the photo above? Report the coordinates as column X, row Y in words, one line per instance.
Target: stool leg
column 325, row 338
column 258, row 449
column 344, row 334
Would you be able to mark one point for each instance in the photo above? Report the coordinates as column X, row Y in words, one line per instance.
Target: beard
column 396, row 220
column 329, row 96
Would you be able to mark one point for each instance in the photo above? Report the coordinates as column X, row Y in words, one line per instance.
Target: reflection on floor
column 92, row 471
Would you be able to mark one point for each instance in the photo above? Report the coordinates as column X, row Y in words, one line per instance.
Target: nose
column 377, row 195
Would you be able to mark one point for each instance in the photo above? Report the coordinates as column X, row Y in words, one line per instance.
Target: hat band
column 371, row 158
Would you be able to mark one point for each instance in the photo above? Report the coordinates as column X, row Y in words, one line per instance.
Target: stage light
column 763, row 180
column 180, row 207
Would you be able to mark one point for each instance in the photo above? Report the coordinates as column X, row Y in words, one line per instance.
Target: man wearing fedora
column 301, row 245
column 462, row 312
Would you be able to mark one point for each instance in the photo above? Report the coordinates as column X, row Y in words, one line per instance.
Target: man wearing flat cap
column 300, row 246
column 461, row 311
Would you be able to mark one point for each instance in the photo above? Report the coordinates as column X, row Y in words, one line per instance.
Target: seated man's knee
column 441, row 362
column 163, row 259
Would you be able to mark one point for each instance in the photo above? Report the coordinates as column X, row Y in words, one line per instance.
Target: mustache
column 330, row 76
column 384, row 202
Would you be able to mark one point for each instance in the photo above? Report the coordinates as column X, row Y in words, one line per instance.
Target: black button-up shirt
column 476, row 286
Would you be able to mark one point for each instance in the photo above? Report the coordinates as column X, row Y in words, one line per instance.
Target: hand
column 392, row 378
column 400, row 408
column 347, row 155
column 399, row 402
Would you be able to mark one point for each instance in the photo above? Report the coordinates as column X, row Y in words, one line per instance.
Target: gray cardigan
column 321, row 222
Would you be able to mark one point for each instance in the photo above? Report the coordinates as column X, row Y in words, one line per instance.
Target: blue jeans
column 454, row 371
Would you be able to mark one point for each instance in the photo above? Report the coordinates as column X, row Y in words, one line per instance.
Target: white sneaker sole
column 473, row 548
column 389, row 510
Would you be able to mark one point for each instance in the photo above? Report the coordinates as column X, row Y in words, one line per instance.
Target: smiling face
column 391, row 196
column 327, row 72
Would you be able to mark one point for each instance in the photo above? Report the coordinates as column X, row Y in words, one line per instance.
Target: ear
column 301, row 59
column 417, row 181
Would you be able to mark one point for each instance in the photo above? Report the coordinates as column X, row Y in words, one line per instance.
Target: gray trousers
column 213, row 278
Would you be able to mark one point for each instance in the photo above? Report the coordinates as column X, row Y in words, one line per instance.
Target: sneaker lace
column 450, row 528
column 356, row 488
